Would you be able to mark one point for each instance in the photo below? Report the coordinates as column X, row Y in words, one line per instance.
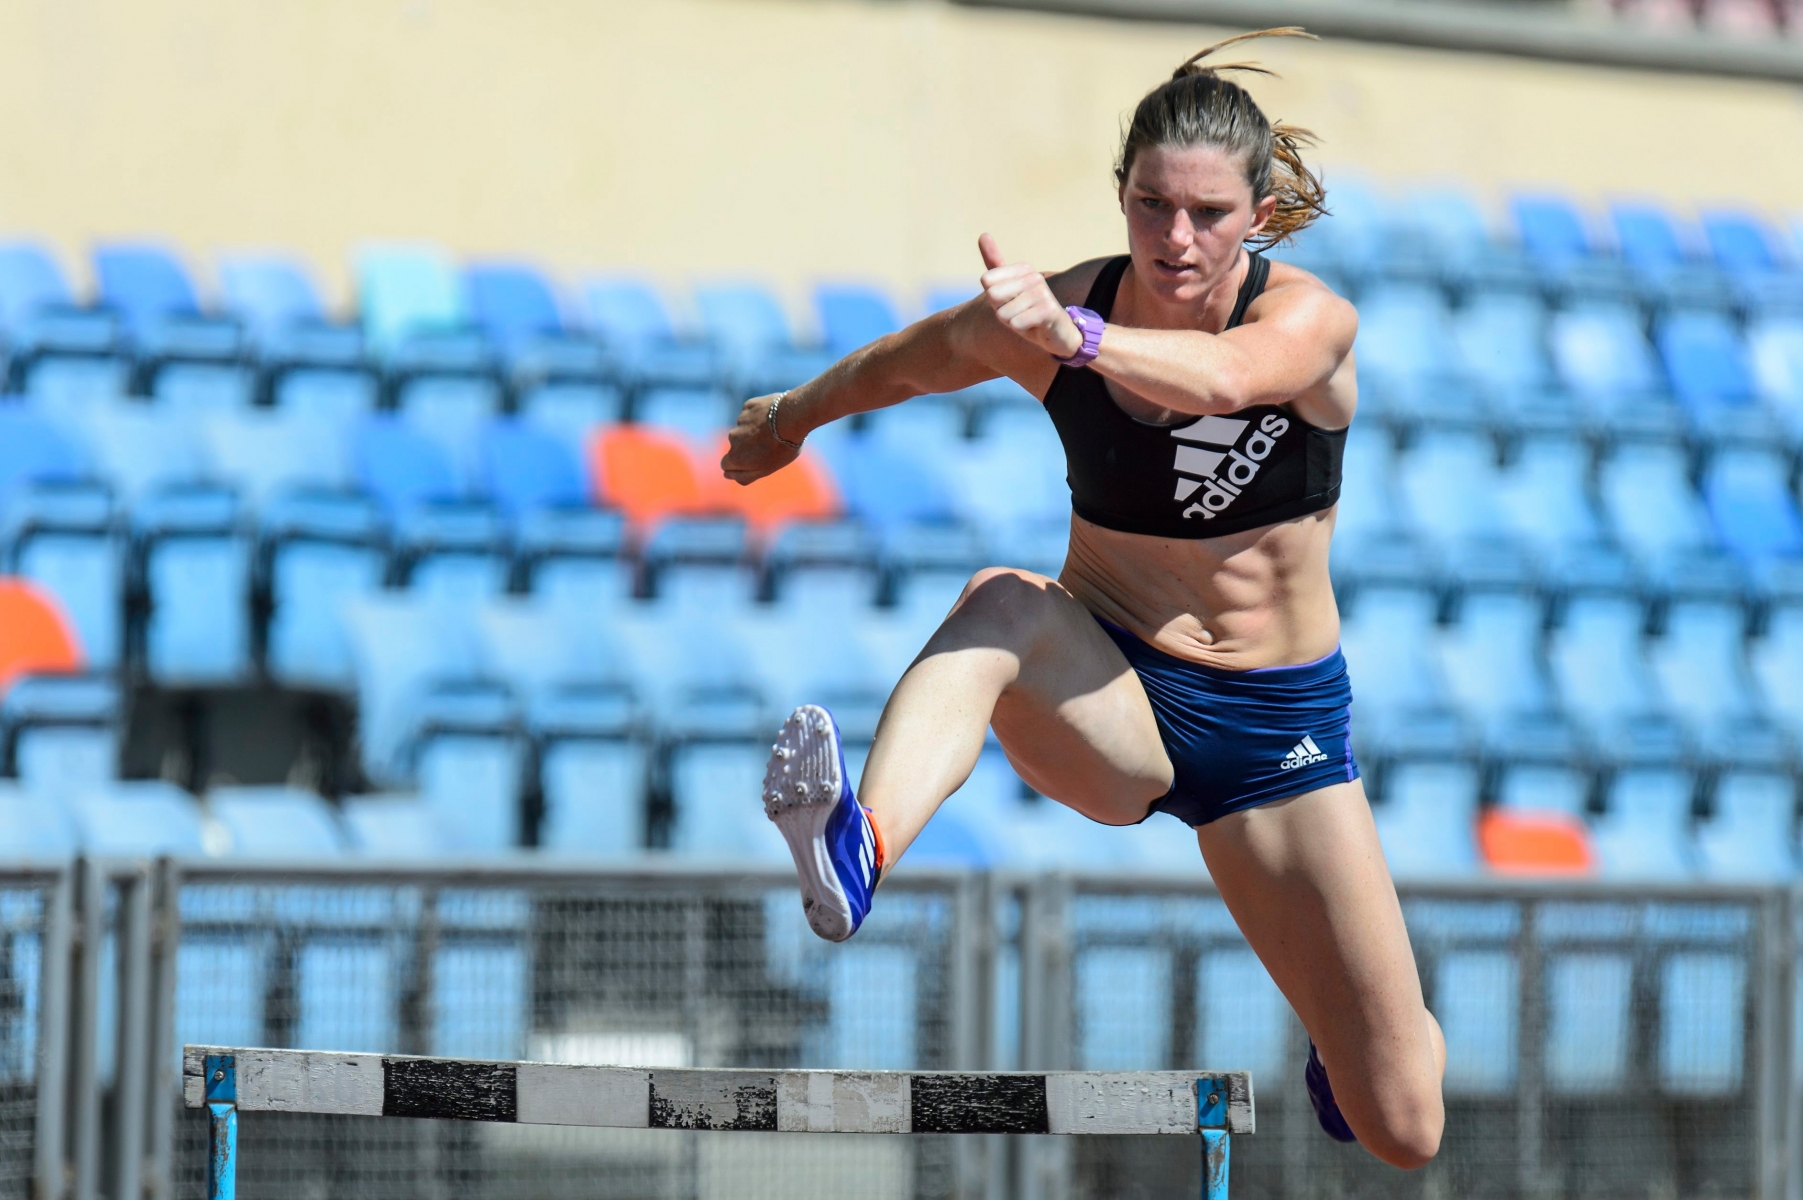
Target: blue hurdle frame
column 222, row 1126
column 1217, row 1144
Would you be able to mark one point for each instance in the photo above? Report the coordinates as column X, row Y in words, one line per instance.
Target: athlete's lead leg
column 1306, row 880
column 1018, row 652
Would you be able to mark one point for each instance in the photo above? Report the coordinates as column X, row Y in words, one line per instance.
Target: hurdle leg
column 1211, row 1123
column 222, row 1127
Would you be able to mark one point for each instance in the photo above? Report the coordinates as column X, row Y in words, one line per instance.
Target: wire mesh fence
column 685, row 970
column 1599, row 1044
column 33, row 1007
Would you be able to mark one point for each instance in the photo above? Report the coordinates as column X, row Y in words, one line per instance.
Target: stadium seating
column 1567, row 549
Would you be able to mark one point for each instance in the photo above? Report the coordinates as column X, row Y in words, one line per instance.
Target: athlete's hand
column 1023, row 301
column 751, row 453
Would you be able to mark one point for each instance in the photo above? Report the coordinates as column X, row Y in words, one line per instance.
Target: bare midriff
column 1261, row 598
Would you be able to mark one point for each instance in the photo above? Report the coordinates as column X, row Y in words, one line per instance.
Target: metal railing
column 1602, row 1040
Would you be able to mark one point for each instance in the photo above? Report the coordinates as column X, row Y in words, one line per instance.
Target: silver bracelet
column 770, row 421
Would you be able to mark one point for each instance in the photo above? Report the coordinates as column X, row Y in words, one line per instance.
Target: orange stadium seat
column 802, row 491
column 646, row 474
column 1535, row 843
column 34, row 634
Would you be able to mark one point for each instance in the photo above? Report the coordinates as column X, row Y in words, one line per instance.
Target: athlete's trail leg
column 1306, row 880
column 1018, row 650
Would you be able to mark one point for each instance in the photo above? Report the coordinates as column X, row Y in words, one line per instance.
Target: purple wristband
column 1090, row 325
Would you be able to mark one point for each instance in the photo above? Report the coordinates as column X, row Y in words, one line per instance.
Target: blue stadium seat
column 399, row 465
column 63, row 732
column 796, row 657
column 1601, row 352
column 745, row 319
column 633, row 322
column 512, row 302
column 445, row 385
column 392, row 826
column 1643, row 834
column 1652, row 507
column 139, row 448
column 275, row 822
column 471, row 758
column 927, row 564
column 65, row 538
column 701, row 413
column 452, row 553
column 853, row 315
column 593, row 771
column 576, row 557
column 1702, row 1036
column 714, row 788
column 1448, row 482
column 926, row 424
column 406, row 289
column 138, row 818
column 1427, row 820
column 1749, row 498
column 1388, row 639
column 1451, row 221
column 524, row 467
column 1490, row 658
column 1544, row 493
column 1701, row 663
column 1368, row 502
column 32, row 830
column 320, row 370
column 196, row 577
column 322, row 549
column 143, row 283
column 1740, row 241
column 1775, row 356
column 571, row 412
column 1777, row 663
column 399, row 643
column 1405, row 333
column 30, row 280
column 1013, row 475
column 1705, row 360
column 1550, row 228
column 823, row 568
column 1500, row 339
column 269, row 292
column 888, row 485
column 1751, row 834
column 701, row 565
column 1544, row 788
column 1598, row 663
column 1647, row 236
column 263, row 452
column 33, row 450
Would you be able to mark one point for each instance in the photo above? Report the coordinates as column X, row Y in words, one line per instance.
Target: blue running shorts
column 1238, row 739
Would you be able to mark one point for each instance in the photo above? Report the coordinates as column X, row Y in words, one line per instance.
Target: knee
column 1405, row 1127
column 1002, row 598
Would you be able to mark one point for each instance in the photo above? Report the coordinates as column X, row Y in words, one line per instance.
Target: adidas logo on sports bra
column 1221, row 475
column 1306, row 754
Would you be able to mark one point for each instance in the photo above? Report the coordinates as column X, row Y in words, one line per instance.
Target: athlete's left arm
column 1296, row 337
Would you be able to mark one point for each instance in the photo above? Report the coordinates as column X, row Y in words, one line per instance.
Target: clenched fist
column 1024, row 302
column 751, row 453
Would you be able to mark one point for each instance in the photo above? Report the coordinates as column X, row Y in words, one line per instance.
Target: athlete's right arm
column 944, row 352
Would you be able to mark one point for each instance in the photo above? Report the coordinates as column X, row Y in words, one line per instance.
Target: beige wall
column 787, row 138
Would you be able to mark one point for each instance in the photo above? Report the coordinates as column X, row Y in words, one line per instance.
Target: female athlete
column 1186, row 660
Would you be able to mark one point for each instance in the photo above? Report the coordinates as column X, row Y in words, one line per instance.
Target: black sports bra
column 1196, row 478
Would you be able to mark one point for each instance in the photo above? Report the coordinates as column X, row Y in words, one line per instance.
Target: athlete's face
column 1188, row 210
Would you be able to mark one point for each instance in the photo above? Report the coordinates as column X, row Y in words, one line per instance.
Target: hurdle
column 229, row 1080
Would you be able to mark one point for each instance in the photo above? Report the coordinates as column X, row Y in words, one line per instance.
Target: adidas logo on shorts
column 1306, row 754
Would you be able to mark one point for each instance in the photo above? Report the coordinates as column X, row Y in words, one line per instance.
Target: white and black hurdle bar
column 227, row 1081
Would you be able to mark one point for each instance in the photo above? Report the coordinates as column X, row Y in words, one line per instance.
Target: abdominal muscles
column 1261, row 598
